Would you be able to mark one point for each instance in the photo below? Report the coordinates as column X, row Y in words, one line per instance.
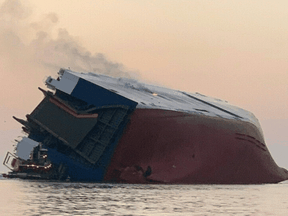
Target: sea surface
column 24, row 197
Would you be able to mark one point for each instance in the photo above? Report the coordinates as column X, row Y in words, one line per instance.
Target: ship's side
column 172, row 147
column 97, row 128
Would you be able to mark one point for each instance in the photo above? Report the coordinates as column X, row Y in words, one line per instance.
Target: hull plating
column 181, row 148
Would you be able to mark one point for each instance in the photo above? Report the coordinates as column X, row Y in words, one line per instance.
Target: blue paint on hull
column 103, row 100
column 77, row 171
column 98, row 96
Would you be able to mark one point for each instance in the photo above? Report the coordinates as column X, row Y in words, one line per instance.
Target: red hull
column 183, row 148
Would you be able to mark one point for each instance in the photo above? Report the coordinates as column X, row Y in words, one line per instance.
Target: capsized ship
column 97, row 128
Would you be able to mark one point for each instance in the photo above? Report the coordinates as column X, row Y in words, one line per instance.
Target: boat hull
column 182, row 148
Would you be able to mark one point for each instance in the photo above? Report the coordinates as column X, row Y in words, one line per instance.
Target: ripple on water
column 63, row 198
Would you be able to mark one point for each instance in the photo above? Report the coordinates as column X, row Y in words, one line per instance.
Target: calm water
column 19, row 197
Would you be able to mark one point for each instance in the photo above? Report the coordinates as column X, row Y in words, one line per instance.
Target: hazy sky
column 236, row 50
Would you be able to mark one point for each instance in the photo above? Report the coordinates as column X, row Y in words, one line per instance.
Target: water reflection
column 55, row 198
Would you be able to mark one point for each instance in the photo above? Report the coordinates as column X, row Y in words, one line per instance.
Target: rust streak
column 70, row 111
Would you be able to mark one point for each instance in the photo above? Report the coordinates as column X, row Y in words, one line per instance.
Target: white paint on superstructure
column 25, row 147
column 66, row 84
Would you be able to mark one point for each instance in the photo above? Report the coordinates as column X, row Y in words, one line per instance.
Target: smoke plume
column 32, row 42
